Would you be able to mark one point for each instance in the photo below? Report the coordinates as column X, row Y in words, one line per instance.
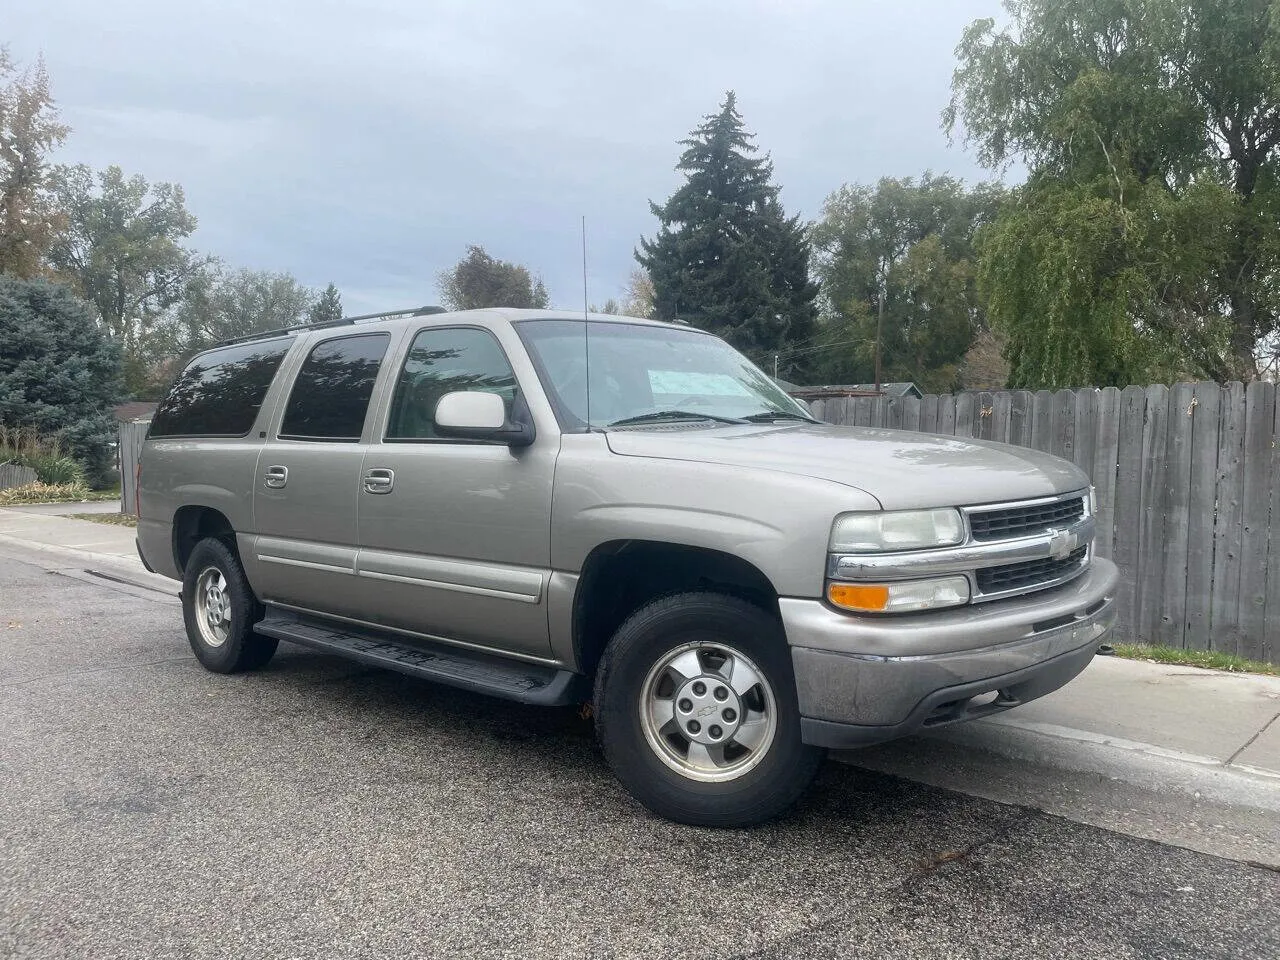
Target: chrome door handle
column 379, row 481
column 276, row 476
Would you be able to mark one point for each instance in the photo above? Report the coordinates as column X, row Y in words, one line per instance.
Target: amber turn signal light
column 900, row 596
column 859, row 596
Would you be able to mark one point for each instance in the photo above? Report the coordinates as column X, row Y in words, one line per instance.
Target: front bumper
column 865, row 679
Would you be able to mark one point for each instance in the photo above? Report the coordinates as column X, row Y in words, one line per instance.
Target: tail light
column 137, row 490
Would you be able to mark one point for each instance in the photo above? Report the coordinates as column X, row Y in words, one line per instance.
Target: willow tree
column 1146, row 241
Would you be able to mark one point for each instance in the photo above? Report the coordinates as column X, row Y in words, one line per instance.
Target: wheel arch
column 620, row 576
column 193, row 523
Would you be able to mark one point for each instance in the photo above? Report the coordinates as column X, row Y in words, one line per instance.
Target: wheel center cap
column 708, row 710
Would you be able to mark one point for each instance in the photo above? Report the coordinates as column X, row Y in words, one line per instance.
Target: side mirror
column 477, row 415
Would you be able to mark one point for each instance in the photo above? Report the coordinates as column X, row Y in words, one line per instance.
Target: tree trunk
column 1242, row 276
column 1244, row 338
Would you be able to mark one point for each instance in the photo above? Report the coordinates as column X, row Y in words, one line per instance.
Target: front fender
column 778, row 522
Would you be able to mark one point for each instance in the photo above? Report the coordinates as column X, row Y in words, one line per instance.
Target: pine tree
column 59, row 371
column 327, row 308
column 726, row 257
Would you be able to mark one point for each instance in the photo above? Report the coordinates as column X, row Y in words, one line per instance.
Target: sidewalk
column 1232, row 719
column 1175, row 754
column 46, row 524
column 44, row 534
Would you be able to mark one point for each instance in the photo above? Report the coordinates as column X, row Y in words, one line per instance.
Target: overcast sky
column 367, row 142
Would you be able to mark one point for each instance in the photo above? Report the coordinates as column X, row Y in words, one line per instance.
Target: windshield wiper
column 768, row 416
column 658, row 415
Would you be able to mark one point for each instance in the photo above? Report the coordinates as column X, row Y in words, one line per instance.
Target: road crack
column 1250, row 742
column 84, row 673
column 917, row 875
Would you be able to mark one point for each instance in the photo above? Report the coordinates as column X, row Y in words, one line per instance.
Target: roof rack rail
column 344, row 322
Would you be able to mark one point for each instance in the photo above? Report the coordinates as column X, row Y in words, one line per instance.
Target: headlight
column 1093, row 500
column 899, row 597
column 896, row 530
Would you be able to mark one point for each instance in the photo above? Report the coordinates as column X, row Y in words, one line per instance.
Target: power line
column 800, row 349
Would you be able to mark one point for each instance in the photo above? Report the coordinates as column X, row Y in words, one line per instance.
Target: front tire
column 697, row 715
column 220, row 611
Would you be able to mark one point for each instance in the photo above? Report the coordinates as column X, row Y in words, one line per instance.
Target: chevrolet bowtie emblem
column 1062, row 543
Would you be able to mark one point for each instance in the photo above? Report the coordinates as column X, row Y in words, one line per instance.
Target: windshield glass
column 638, row 369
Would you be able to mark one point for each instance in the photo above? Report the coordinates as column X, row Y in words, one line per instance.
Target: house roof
column 905, row 389
column 135, row 410
column 901, row 388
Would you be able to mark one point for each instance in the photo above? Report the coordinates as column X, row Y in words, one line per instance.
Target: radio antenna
column 586, row 323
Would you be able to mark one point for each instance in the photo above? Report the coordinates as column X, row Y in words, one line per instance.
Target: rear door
column 308, row 478
column 456, row 534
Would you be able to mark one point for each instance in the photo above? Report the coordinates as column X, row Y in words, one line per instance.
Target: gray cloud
column 368, row 144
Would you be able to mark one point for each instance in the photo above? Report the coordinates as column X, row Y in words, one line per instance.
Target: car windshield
column 649, row 374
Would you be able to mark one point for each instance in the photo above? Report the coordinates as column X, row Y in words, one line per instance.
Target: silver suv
column 556, row 509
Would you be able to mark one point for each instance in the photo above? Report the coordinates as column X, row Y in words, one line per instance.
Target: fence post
column 132, row 436
column 1177, row 498
column 1151, row 533
column 1259, row 436
column 1224, row 625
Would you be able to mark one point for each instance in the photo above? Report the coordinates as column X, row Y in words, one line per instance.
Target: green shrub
column 26, row 447
column 58, row 471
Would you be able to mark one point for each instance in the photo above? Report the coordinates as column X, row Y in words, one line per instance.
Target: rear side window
column 220, row 392
column 331, row 393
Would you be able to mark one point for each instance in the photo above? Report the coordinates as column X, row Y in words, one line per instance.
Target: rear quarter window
column 220, row 392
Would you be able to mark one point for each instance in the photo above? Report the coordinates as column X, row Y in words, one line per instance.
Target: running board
column 478, row 672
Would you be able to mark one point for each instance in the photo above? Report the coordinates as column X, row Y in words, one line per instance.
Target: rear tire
column 697, row 715
column 220, row 611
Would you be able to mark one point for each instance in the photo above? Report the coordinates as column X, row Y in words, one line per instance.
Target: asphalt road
column 319, row 809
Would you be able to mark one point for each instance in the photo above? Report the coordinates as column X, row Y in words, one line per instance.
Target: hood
column 901, row 469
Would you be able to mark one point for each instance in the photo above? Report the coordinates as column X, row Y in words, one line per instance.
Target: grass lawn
column 116, row 519
column 1208, row 659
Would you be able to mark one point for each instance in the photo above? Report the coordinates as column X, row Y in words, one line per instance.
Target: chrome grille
column 1032, row 573
column 1008, row 523
column 1010, row 549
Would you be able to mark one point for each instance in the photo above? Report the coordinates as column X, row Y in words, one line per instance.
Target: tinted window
column 332, row 390
column 441, row 361
column 220, row 392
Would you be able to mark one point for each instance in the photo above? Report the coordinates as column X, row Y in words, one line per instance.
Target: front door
column 455, row 535
column 309, row 477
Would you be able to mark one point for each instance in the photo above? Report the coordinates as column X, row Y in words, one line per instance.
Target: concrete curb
column 1127, row 746
column 1138, row 789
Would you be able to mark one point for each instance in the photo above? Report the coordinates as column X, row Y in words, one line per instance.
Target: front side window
column 644, row 370
column 220, row 392
column 331, row 393
column 444, row 360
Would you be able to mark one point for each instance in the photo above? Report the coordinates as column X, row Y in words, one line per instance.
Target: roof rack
column 344, row 322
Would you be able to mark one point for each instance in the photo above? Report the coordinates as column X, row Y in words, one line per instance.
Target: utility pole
column 879, row 334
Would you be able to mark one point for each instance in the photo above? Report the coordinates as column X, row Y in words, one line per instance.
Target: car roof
column 396, row 319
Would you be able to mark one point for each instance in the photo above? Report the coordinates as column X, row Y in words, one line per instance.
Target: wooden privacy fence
column 12, row 475
column 132, row 435
column 1188, row 483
